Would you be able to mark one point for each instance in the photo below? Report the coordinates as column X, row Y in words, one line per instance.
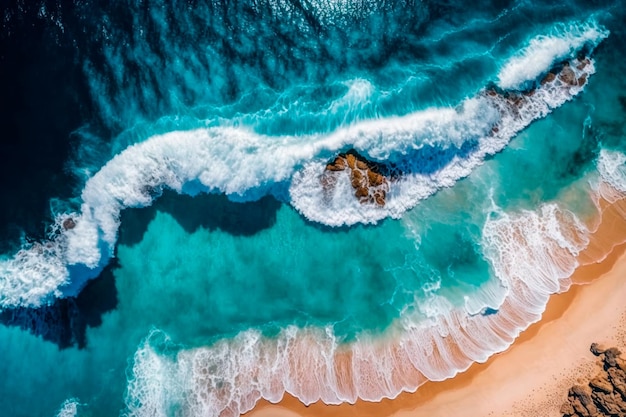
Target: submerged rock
column 583, row 62
column 69, row 223
column 568, row 76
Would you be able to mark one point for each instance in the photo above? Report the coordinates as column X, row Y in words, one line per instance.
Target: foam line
column 546, row 50
column 69, row 408
column 612, row 168
column 434, row 148
column 533, row 254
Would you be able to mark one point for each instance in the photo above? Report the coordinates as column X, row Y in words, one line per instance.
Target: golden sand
column 532, row 377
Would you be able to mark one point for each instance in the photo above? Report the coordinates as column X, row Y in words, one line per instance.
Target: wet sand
column 532, row 377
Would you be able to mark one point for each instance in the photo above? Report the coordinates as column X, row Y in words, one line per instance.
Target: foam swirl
column 434, row 148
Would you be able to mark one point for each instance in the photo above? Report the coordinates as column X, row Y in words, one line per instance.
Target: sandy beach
column 532, row 377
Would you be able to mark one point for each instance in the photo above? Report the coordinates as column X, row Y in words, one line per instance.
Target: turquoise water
column 259, row 253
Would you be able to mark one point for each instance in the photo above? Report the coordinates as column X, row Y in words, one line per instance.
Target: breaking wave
column 432, row 149
column 545, row 50
column 533, row 255
column 612, row 167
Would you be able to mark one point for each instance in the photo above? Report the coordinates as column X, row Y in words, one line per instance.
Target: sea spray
column 69, row 408
column 533, row 254
column 434, row 148
column 544, row 50
column 190, row 267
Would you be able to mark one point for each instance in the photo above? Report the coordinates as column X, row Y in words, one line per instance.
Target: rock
column 515, row 100
column 606, row 393
column 361, row 165
column 582, row 80
column 69, row 223
column 596, row 349
column 369, row 185
column 548, row 78
column 583, row 62
column 567, row 409
column 568, row 76
column 379, row 197
column 580, row 409
column 582, row 393
column 617, row 377
column 339, row 164
column 351, row 160
column 374, row 178
column 610, row 356
column 580, row 398
column 601, row 382
column 608, row 404
column 357, row 179
column 361, row 192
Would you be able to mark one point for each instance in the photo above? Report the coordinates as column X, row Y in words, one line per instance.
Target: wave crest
column 544, row 51
column 533, row 254
column 432, row 148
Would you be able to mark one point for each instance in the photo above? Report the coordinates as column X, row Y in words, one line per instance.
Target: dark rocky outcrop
column 548, row 78
column 568, row 76
column 582, row 63
column 369, row 184
column 69, row 223
column 605, row 395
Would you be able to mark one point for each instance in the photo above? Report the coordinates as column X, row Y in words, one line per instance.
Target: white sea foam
column 358, row 96
column 165, row 384
column 612, row 168
column 434, row 148
column 532, row 254
column 545, row 50
column 69, row 408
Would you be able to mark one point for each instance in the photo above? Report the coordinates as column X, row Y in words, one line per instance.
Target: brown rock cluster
column 548, row 78
column 582, row 63
column 370, row 186
column 605, row 395
column 567, row 75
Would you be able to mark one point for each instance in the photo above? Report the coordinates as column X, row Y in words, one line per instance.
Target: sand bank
column 532, row 377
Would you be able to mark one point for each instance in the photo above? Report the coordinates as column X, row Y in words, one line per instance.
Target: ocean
column 207, row 203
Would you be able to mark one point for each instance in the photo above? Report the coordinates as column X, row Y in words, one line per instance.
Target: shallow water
column 277, row 89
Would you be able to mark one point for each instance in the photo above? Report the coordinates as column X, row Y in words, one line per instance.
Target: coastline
column 531, row 377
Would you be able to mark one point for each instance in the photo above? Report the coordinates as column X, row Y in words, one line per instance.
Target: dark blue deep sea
column 172, row 245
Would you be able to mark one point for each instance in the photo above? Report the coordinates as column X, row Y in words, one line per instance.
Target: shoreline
column 532, row 377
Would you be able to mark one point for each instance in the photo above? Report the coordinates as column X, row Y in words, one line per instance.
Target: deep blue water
column 252, row 98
